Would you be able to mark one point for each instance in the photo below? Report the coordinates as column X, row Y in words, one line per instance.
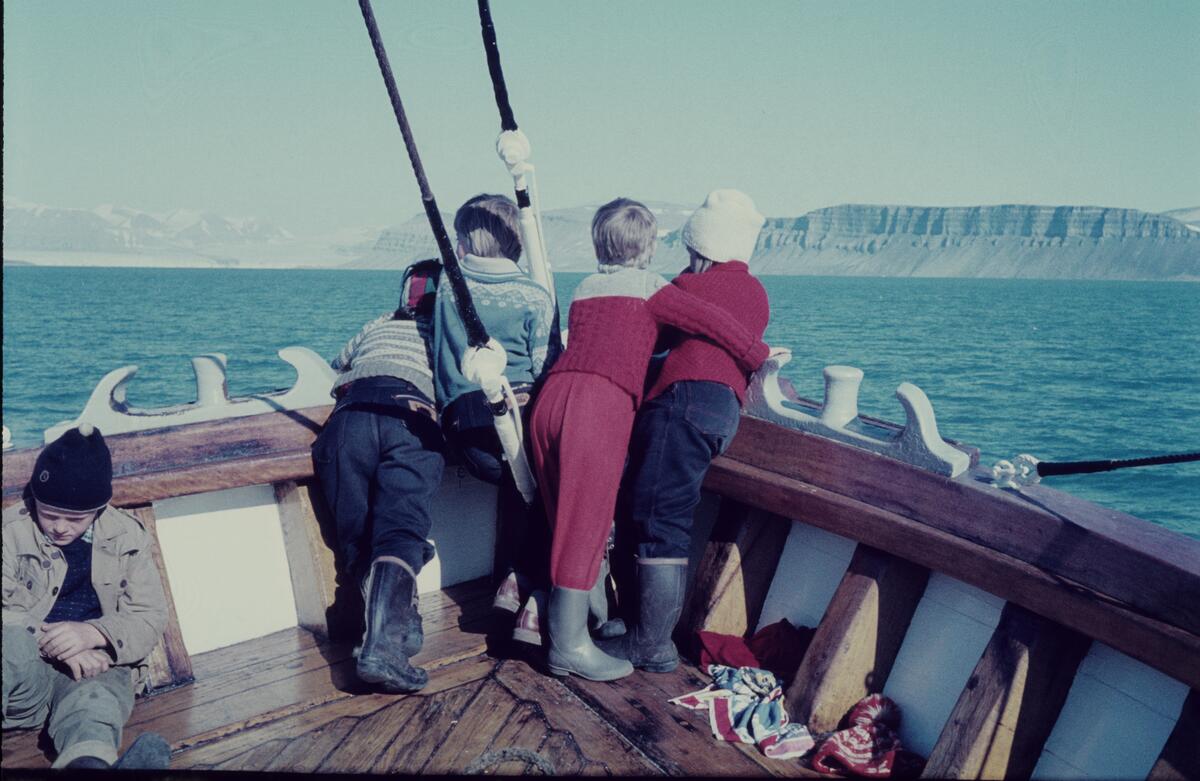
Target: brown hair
column 487, row 226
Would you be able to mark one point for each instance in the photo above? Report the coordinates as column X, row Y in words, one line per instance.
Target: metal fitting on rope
column 1021, row 471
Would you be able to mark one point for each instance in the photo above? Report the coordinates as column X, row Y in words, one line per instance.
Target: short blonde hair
column 487, row 226
column 624, row 233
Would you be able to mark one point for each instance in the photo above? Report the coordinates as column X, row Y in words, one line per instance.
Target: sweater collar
column 481, row 265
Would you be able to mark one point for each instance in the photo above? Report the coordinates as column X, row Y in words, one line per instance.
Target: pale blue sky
column 275, row 108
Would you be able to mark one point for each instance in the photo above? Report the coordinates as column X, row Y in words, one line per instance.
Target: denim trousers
column 380, row 463
column 676, row 435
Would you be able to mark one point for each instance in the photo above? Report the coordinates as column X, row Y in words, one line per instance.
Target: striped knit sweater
column 388, row 348
column 614, row 323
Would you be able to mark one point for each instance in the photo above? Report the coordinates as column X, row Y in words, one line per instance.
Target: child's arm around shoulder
column 135, row 628
column 672, row 306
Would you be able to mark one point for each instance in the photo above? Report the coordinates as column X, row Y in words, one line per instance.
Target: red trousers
column 579, row 435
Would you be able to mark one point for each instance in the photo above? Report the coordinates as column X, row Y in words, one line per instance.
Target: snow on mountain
column 1062, row 242
column 112, row 229
column 568, row 237
column 1189, row 217
column 1036, row 242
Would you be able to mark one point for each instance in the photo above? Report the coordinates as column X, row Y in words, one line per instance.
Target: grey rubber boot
column 648, row 646
column 598, row 598
column 571, row 647
column 394, row 632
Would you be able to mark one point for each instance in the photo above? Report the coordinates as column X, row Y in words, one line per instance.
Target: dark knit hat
column 74, row 472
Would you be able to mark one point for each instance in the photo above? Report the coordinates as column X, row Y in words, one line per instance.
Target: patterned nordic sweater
column 614, row 323
column 728, row 286
column 388, row 348
column 515, row 310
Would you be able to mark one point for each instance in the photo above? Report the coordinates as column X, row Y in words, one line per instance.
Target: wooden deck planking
column 676, row 739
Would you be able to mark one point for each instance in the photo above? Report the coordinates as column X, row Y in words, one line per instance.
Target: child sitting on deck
column 83, row 608
column 379, row 462
column 582, row 418
column 688, row 418
column 517, row 313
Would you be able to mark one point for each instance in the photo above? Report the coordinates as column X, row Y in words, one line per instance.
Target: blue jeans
column 379, row 462
column 675, row 437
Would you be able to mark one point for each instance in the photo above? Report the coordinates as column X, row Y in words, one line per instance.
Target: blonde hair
column 623, row 233
column 487, row 226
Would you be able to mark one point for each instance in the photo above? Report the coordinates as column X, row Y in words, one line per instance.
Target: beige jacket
column 133, row 605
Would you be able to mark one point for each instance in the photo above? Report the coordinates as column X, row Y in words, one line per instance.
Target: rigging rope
column 1051, row 468
column 1028, row 470
column 477, row 335
column 514, row 150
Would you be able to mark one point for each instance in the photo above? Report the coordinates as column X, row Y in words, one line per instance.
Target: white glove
column 513, row 148
column 487, row 362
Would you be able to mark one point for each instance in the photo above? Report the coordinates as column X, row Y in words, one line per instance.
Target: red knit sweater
column 731, row 288
column 613, row 328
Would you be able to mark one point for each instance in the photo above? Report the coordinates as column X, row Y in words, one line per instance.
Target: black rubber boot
column 571, row 647
column 86, row 762
column 149, row 752
column 394, row 631
column 648, row 646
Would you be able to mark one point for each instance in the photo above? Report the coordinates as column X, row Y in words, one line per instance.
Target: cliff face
column 1056, row 242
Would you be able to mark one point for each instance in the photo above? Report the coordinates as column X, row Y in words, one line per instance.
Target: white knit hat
column 725, row 228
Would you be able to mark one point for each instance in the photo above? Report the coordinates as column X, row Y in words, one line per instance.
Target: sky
column 276, row 109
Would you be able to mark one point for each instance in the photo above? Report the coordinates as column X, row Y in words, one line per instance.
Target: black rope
column 492, row 49
column 508, row 122
column 477, row 335
column 1049, row 468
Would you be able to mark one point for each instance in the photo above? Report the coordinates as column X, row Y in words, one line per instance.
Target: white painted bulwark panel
column 229, row 572
column 1115, row 722
column 463, row 533
column 810, row 568
column 951, row 628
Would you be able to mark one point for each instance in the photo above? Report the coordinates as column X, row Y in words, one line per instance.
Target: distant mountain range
column 1060, row 242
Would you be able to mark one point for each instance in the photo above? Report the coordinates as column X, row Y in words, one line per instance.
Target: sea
column 1064, row 370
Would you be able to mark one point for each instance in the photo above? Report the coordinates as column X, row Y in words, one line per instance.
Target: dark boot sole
column 658, row 667
column 382, row 675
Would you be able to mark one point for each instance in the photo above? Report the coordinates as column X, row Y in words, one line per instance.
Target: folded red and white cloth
column 870, row 746
column 745, row 705
column 778, row 647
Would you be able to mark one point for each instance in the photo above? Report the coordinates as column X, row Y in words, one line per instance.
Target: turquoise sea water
column 1063, row 370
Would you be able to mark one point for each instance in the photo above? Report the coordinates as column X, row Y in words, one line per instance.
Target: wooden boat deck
column 288, row 702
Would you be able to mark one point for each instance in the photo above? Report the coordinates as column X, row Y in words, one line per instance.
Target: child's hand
column 64, row 639
column 88, row 664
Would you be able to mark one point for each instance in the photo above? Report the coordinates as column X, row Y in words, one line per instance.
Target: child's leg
column 345, row 456
column 28, row 682
column 591, row 456
column 408, row 475
column 86, row 717
column 675, row 439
